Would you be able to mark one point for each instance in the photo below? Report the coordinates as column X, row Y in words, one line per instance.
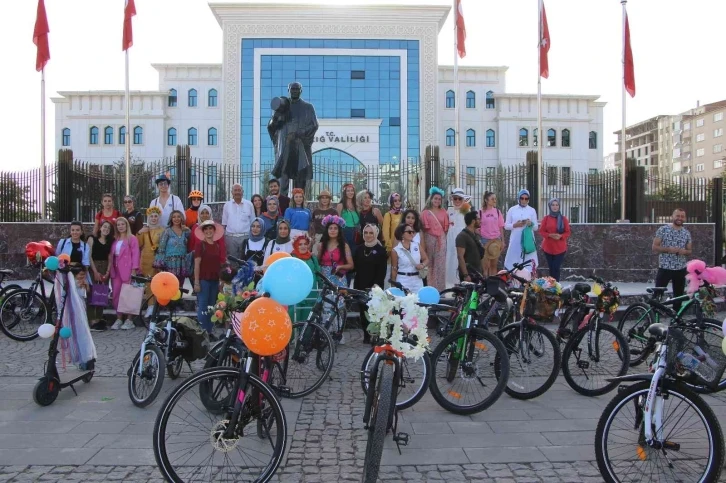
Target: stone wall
column 616, row 252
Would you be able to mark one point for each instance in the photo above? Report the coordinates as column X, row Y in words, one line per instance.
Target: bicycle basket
column 539, row 305
column 608, row 300
column 702, row 344
column 493, row 284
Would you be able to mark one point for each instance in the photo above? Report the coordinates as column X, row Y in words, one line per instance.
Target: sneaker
column 342, row 339
column 117, row 325
column 99, row 326
column 128, row 325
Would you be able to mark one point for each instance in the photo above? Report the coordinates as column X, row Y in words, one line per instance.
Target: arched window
column 171, row 136
column 535, row 137
column 138, row 135
column 66, row 135
column 470, row 100
column 565, row 138
column 450, row 99
column 192, row 136
column 172, row 97
column 212, row 98
column 93, row 135
column 470, row 138
column 212, row 136
column 490, row 100
column 551, row 138
column 450, row 137
column 491, row 138
column 108, row 135
column 593, row 140
column 192, row 97
column 523, row 137
column 122, row 135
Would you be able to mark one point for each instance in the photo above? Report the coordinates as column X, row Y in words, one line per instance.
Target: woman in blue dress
column 171, row 255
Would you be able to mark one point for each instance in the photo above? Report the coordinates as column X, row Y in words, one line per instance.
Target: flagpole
column 457, row 141
column 43, row 181
column 129, row 131
column 540, row 161
column 622, row 132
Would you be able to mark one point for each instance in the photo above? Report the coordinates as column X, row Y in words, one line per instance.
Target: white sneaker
column 149, row 311
column 342, row 339
column 117, row 325
column 128, row 325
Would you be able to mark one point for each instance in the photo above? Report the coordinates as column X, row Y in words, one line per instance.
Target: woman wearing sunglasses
column 519, row 217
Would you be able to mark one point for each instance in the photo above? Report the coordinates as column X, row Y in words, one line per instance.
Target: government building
column 372, row 74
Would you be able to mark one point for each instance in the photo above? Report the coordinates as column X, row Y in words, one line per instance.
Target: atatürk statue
column 292, row 129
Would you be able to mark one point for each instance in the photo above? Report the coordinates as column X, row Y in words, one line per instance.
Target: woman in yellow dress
column 149, row 237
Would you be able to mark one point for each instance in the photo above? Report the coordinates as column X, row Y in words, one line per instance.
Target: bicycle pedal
column 401, row 439
column 583, row 364
column 283, row 391
column 670, row 445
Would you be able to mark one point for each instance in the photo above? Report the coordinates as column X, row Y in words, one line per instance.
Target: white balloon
column 46, row 331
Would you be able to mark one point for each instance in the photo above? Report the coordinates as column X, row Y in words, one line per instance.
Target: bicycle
column 23, row 310
column 655, row 429
column 596, row 350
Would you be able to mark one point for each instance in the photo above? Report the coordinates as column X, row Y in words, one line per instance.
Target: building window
column 535, row 137
column 450, row 100
column 718, row 164
column 491, row 172
column 551, row 138
column 358, row 113
column 490, row 100
column 172, row 98
column 450, row 137
column 717, row 133
column 551, row 175
column 192, row 136
column 700, row 152
column 122, row 135
column 138, row 135
column 700, row 167
column 470, row 100
column 592, row 171
column 192, row 98
column 212, row 136
column 470, row 138
column 66, row 134
column 212, row 175
column 565, row 138
column 108, row 135
column 592, row 140
column 699, row 122
column 212, row 98
column 718, row 117
column 491, row 138
column 686, row 126
column 394, row 121
column 470, row 176
column 523, row 137
column 357, row 74
column 717, row 148
column 93, row 135
column 701, row 137
column 171, row 136
column 566, row 176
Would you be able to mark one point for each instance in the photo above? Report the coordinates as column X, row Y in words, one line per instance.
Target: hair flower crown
column 333, row 219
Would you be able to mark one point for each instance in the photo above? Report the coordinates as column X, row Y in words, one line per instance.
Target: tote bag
column 99, row 295
column 528, row 245
column 130, row 299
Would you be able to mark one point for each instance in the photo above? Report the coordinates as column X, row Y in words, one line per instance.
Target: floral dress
column 148, row 243
column 171, row 256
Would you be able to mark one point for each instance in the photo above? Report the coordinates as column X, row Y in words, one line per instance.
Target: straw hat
column 493, row 249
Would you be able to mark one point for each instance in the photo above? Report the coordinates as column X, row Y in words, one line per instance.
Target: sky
column 675, row 48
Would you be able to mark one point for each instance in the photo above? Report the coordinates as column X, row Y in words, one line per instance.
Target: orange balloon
column 163, row 302
column 64, row 256
column 265, row 327
column 275, row 257
column 164, row 286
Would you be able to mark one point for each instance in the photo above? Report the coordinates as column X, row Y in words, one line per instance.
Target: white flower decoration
column 384, row 313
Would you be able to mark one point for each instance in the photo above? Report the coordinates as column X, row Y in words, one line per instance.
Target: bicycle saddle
column 656, row 290
column 583, row 288
column 447, row 301
column 658, row 330
column 6, row 271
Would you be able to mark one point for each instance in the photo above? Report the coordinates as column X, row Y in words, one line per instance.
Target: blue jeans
column 554, row 263
column 205, row 298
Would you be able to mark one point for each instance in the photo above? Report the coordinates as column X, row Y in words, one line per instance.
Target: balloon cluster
column 165, row 287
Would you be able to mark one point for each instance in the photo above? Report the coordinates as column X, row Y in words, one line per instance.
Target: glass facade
column 339, row 86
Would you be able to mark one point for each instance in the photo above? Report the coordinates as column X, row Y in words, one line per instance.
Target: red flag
column 544, row 43
column 628, row 69
column 40, row 37
column 460, row 30
column 129, row 11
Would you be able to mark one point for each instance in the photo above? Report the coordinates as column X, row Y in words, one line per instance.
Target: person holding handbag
column 100, row 247
column 522, row 222
column 555, row 230
column 491, row 231
column 435, row 223
column 123, row 262
column 408, row 262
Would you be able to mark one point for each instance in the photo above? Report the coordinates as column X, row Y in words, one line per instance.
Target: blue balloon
column 260, row 286
column 289, row 281
column 51, row 263
column 429, row 295
column 396, row 291
column 65, row 333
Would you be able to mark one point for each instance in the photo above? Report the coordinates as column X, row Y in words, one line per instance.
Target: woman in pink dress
column 123, row 262
column 435, row 223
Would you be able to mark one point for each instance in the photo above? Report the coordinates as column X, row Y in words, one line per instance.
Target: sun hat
column 218, row 230
column 493, row 249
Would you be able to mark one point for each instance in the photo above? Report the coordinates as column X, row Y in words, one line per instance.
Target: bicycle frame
column 653, row 409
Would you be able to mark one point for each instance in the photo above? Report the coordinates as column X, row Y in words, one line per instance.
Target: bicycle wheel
column 695, row 450
column 21, row 313
column 335, row 320
column 588, row 373
column 416, row 376
column 378, row 422
column 463, row 376
column 189, row 442
column 634, row 326
column 310, row 359
column 144, row 387
column 534, row 362
column 174, row 367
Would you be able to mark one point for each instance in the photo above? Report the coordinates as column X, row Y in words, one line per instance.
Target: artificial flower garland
column 384, row 313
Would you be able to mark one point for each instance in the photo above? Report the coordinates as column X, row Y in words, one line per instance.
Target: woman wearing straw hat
column 325, row 208
column 491, row 231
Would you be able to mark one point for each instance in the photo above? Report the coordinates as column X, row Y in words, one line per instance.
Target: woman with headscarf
column 282, row 242
column 204, row 213
column 392, row 219
column 520, row 216
column 149, row 237
column 271, row 216
column 435, row 223
column 555, row 230
column 459, row 207
column 301, row 247
column 371, row 262
column 253, row 248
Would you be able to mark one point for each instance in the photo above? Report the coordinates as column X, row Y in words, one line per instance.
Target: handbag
column 130, row 299
column 423, row 272
column 99, row 295
column 528, row 245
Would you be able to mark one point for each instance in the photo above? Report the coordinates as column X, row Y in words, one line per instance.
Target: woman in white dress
column 459, row 207
column 407, row 258
column 519, row 216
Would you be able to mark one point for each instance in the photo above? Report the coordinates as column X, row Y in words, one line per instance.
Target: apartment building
column 642, row 142
column 701, row 149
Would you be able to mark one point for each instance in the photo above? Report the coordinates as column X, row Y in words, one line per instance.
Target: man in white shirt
column 237, row 217
column 166, row 201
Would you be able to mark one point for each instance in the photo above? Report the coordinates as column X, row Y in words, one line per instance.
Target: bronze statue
column 292, row 129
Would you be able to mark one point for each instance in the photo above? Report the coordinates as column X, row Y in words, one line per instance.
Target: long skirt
column 435, row 250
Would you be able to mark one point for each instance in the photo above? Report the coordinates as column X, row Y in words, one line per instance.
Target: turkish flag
column 129, row 11
column 628, row 69
column 460, row 30
column 544, row 43
column 40, row 37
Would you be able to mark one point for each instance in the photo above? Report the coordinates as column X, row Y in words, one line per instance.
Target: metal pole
column 129, row 131
column 43, row 187
column 622, row 132
column 457, row 141
column 540, row 137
